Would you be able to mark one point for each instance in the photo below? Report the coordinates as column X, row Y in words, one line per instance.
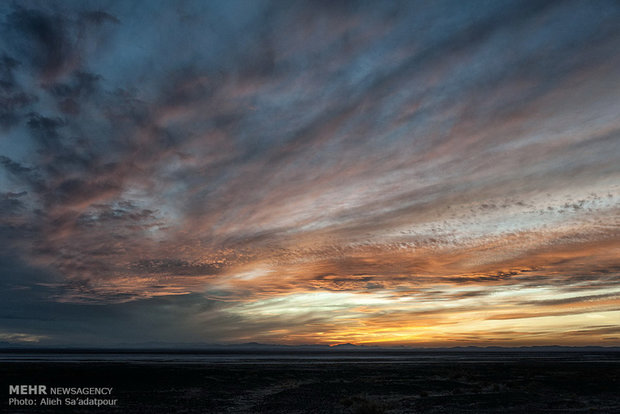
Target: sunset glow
column 380, row 173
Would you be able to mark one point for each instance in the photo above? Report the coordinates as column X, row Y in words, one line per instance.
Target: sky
column 413, row 173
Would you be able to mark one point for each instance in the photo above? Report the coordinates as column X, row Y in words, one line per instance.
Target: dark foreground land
column 467, row 383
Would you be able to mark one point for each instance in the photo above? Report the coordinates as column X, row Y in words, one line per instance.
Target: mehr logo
column 28, row 389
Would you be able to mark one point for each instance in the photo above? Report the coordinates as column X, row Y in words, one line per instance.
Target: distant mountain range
column 255, row 346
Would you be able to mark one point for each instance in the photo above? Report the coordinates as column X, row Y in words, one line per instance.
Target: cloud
column 450, row 153
column 44, row 37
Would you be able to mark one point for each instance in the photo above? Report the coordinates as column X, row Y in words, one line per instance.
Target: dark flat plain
column 362, row 383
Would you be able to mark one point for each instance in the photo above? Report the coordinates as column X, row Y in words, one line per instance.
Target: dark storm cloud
column 48, row 41
column 261, row 153
column 44, row 40
column 13, row 100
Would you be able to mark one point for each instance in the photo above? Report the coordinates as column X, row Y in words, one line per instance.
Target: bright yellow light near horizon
column 378, row 318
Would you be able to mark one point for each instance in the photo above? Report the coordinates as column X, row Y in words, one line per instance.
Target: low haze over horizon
column 438, row 173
